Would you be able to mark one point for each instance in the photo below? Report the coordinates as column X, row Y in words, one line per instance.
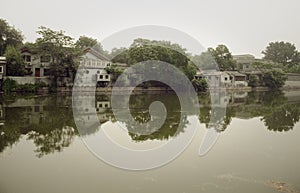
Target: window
column 27, row 58
column 1, row 69
column 46, row 72
column 45, row 58
column 106, row 76
column 106, row 105
column 108, row 64
column 101, row 76
column 36, row 109
column 225, row 78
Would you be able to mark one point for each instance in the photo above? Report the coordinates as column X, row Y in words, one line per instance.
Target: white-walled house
column 226, row 78
column 94, row 65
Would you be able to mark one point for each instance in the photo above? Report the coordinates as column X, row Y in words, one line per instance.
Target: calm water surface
column 258, row 149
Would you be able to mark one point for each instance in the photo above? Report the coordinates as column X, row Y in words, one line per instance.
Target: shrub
column 253, row 81
column 274, row 79
column 200, row 84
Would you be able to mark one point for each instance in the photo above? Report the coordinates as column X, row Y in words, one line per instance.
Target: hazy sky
column 244, row 26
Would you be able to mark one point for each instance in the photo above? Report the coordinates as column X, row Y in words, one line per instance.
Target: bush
column 274, row 79
column 253, row 81
column 200, row 85
column 10, row 85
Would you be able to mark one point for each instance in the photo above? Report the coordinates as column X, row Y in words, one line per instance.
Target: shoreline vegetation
column 50, row 64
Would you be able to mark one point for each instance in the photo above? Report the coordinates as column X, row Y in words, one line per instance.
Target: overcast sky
column 244, row 26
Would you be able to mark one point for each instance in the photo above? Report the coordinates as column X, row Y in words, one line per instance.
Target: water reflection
column 48, row 120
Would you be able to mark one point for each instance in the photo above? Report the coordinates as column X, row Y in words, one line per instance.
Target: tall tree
column 222, row 57
column 9, row 36
column 85, row 42
column 14, row 61
column 284, row 53
column 205, row 61
column 61, row 49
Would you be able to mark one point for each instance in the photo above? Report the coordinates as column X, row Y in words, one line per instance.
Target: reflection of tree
column 282, row 118
column 48, row 121
column 211, row 116
column 276, row 111
column 9, row 132
column 139, row 109
column 52, row 141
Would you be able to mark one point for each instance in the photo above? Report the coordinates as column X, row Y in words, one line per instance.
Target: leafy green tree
column 223, row 57
column 205, row 61
column 253, row 81
column 14, row 61
column 114, row 72
column 9, row 36
column 284, row 53
column 62, row 50
column 274, row 79
column 200, row 85
column 85, row 42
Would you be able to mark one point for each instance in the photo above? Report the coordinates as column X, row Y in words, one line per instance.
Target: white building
column 94, row 65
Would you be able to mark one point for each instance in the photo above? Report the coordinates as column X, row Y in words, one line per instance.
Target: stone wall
column 293, row 77
column 29, row 79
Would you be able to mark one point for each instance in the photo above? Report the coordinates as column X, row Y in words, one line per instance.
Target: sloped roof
column 244, row 58
column 235, row 73
column 96, row 53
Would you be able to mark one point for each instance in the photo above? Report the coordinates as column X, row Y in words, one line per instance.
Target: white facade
column 94, row 65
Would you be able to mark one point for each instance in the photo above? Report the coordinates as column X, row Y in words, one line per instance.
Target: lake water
column 258, row 146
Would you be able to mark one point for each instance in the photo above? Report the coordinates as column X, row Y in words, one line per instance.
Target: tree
column 253, row 81
column 62, row 51
column 284, row 53
column 274, row 79
column 200, row 85
column 86, row 42
column 223, row 57
column 9, row 36
column 14, row 61
column 143, row 50
column 119, row 55
column 205, row 61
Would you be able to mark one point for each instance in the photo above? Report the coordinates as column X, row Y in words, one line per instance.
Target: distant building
column 212, row 77
column 245, row 62
column 223, row 78
column 245, row 65
column 237, row 79
column 2, row 70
